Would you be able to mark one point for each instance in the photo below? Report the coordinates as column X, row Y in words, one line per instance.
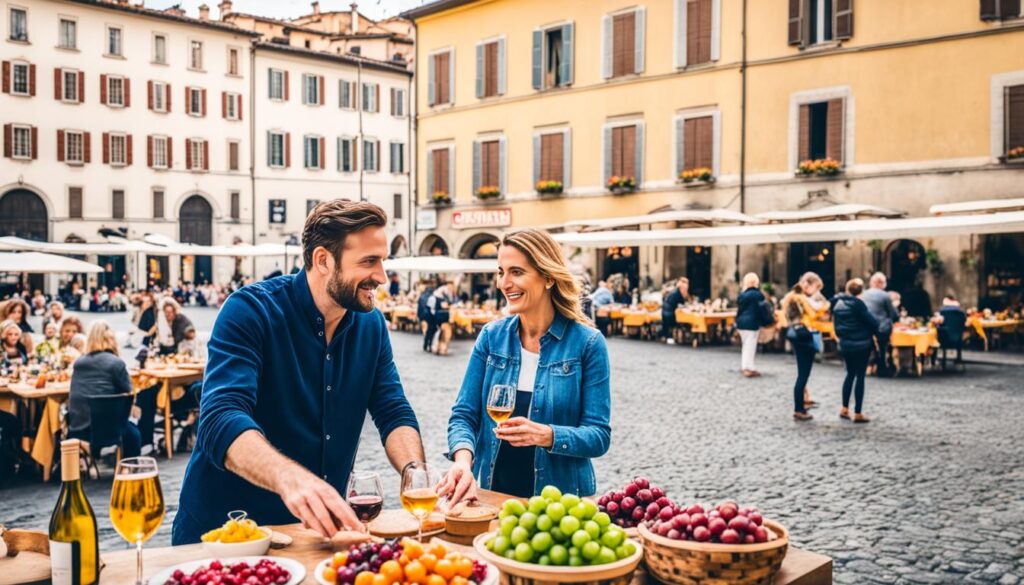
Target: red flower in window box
column 549, row 187
column 617, row 184
column 822, row 167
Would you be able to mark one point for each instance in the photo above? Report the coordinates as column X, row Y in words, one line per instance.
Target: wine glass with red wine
column 365, row 495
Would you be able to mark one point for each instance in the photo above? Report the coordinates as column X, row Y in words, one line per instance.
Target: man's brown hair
column 332, row 221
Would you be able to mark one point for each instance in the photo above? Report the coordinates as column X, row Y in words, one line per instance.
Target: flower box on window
column 823, row 167
column 619, row 185
column 441, row 198
column 549, row 187
column 1014, row 155
column 697, row 175
column 488, row 192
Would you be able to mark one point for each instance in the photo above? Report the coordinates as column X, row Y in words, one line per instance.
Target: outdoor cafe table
column 799, row 567
column 980, row 327
column 169, row 377
column 921, row 342
column 701, row 323
column 52, row 396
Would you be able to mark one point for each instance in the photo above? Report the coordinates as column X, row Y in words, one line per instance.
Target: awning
column 982, row 206
column 166, row 247
column 693, row 215
column 818, row 231
column 845, row 210
column 40, row 263
column 440, row 265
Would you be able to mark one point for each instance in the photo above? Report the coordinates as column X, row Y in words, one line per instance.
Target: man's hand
column 458, row 483
column 522, row 432
column 316, row 503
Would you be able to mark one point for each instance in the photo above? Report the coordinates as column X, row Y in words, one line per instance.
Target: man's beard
column 346, row 293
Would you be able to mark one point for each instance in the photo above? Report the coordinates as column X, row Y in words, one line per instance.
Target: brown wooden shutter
column 127, row 92
column 106, row 148
column 202, row 102
column 1014, row 117
column 81, row 87
column 188, row 154
column 804, row 133
column 233, row 156
column 58, row 85
column 617, row 169
column 60, row 145
column 87, row 146
column 188, row 101
column 690, row 144
column 149, row 95
column 103, row 89
column 834, row 139
column 8, row 140
column 844, row 19
column 75, row 202
column 990, row 9
column 323, row 154
column 149, row 151
column 796, row 22
column 285, row 86
column 128, row 150
column 704, row 32
column 623, row 44
column 238, row 105
column 287, row 149
column 7, row 77
column 392, row 93
column 167, row 94
column 491, row 69
column 551, row 152
column 692, row 32
column 320, row 88
column 206, row 155
column 705, row 142
column 31, row 80
column 629, row 150
column 35, row 143
column 223, row 104
column 1009, row 8
column 170, row 153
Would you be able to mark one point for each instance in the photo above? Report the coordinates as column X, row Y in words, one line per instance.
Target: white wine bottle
column 74, row 542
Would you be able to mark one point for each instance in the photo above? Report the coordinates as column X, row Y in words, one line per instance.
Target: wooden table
column 703, row 323
column 169, row 377
column 918, row 342
column 53, row 395
column 799, row 567
column 980, row 325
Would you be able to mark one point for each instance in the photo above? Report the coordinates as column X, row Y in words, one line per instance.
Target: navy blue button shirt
column 271, row 370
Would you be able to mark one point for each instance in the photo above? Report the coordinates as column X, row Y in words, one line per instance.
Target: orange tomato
column 457, row 580
column 445, row 568
column 330, row 574
column 438, row 550
column 392, row 570
column 412, row 549
column 415, row 572
column 379, row 579
column 364, row 578
column 428, row 561
column 339, row 560
column 464, row 567
column 436, row 580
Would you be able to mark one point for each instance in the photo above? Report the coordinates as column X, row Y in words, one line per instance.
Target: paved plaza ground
column 932, row 491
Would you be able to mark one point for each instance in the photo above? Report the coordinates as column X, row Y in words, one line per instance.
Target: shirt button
column 320, row 333
column 328, row 388
column 328, row 357
column 328, row 437
column 325, row 476
column 564, row 446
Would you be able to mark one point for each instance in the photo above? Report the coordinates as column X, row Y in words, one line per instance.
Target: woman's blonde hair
column 101, row 338
column 546, row 256
column 9, row 324
column 750, row 280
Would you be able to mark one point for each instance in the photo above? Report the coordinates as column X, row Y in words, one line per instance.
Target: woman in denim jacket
column 557, row 361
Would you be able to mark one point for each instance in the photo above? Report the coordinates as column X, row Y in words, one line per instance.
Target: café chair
column 108, row 419
column 951, row 337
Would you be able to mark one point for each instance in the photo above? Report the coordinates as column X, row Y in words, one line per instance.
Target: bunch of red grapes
column 639, row 501
column 727, row 523
column 265, row 572
column 368, row 557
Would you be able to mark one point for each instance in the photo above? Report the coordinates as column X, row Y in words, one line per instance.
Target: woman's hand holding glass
column 520, row 431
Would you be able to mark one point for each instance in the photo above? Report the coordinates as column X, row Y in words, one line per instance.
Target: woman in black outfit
column 800, row 313
column 856, row 328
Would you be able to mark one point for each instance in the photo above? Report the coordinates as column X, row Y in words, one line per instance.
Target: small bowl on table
column 469, row 519
column 248, row 548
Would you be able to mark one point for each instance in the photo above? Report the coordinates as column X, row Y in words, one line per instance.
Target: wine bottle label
column 63, row 565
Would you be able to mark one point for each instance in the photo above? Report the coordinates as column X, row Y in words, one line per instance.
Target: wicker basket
column 516, row 573
column 685, row 562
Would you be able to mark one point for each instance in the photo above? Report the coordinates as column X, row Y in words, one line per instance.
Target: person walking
column 800, row 313
column 441, row 302
column 856, row 328
column 680, row 295
column 880, row 306
column 426, row 317
column 749, row 320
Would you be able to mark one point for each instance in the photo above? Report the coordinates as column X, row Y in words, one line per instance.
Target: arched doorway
column 434, row 245
column 481, row 246
column 398, row 247
column 907, row 260
column 816, row 257
column 195, row 224
column 23, row 214
column 698, row 271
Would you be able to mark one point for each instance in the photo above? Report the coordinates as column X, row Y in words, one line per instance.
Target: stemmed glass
column 419, row 493
column 501, row 402
column 365, row 495
column 136, row 504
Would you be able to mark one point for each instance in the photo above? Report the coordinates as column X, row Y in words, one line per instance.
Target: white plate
column 297, row 569
column 491, row 579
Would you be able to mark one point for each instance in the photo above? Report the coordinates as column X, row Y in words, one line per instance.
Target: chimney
column 316, row 8
column 176, row 10
column 355, row 18
column 225, row 8
column 204, row 12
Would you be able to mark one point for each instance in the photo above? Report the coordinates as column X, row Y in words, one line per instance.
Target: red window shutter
column 103, row 89
column 149, row 94
column 170, row 152
column 106, row 148
column 705, row 142
column 834, row 138
column 35, row 143
column 60, row 145
column 81, row 87
column 224, row 104
column 285, row 86
column 323, row 154
column 188, row 154
column 149, row 151
column 58, row 89
column 87, row 146
column 31, row 80
column 128, row 150
column 287, row 147
column 127, row 92
column 320, row 85
column 804, row 133
column 202, row 101
column 167, row 102
column 7, row 76
column 795, row 29
column 206, row 155
column 844, row 19
column 8, row 140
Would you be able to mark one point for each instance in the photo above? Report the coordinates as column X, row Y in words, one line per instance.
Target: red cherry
column 730, row 536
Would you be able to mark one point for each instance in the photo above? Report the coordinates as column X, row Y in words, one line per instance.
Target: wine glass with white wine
column 419, row 493
column 501, row 402
column 137, row 504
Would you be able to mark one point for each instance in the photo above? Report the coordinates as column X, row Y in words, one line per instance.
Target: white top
column 528, row 370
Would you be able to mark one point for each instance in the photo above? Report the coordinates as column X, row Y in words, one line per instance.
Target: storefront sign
column 426, row 219
column 478, row 218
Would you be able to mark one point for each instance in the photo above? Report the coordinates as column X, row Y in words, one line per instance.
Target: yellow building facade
column 913, row 106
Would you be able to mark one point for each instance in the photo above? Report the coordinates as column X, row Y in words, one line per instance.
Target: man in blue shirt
column 294, row 365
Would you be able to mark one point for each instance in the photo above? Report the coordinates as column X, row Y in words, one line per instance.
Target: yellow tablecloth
column 700, row 322
column 631, row 318
column 979, row 326
column 52, row 396
column 921, row 340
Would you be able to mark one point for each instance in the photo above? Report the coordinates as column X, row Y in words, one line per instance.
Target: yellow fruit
column 329, row 574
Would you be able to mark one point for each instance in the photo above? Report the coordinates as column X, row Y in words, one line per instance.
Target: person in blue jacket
column 558, row 364
column 750, row 317
column 856, row 329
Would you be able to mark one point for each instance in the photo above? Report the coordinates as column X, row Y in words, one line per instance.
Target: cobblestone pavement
column 932, row 491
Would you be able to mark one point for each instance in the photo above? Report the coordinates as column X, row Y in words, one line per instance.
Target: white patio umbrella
column 41, row 263
column 440, row 265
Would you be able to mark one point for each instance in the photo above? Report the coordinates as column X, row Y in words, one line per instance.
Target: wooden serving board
column 396, row 523
column 27, row 567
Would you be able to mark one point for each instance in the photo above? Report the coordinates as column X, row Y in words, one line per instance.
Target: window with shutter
column 698, row 31
column 1014, row 122
column 75, row 202
column 117, row 204
column 442, row 78
column 233, row 155
column 698, row 141
column 552, row 150
column 158, row 203
column 623, row 44
column 236, row 205
column 397, row 207
column 490, row 70
column 490, row 164
column 821, row 131
column 440, row 167
column 623, row 151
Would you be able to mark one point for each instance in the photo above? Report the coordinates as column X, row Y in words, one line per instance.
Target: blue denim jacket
column 571, row 394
